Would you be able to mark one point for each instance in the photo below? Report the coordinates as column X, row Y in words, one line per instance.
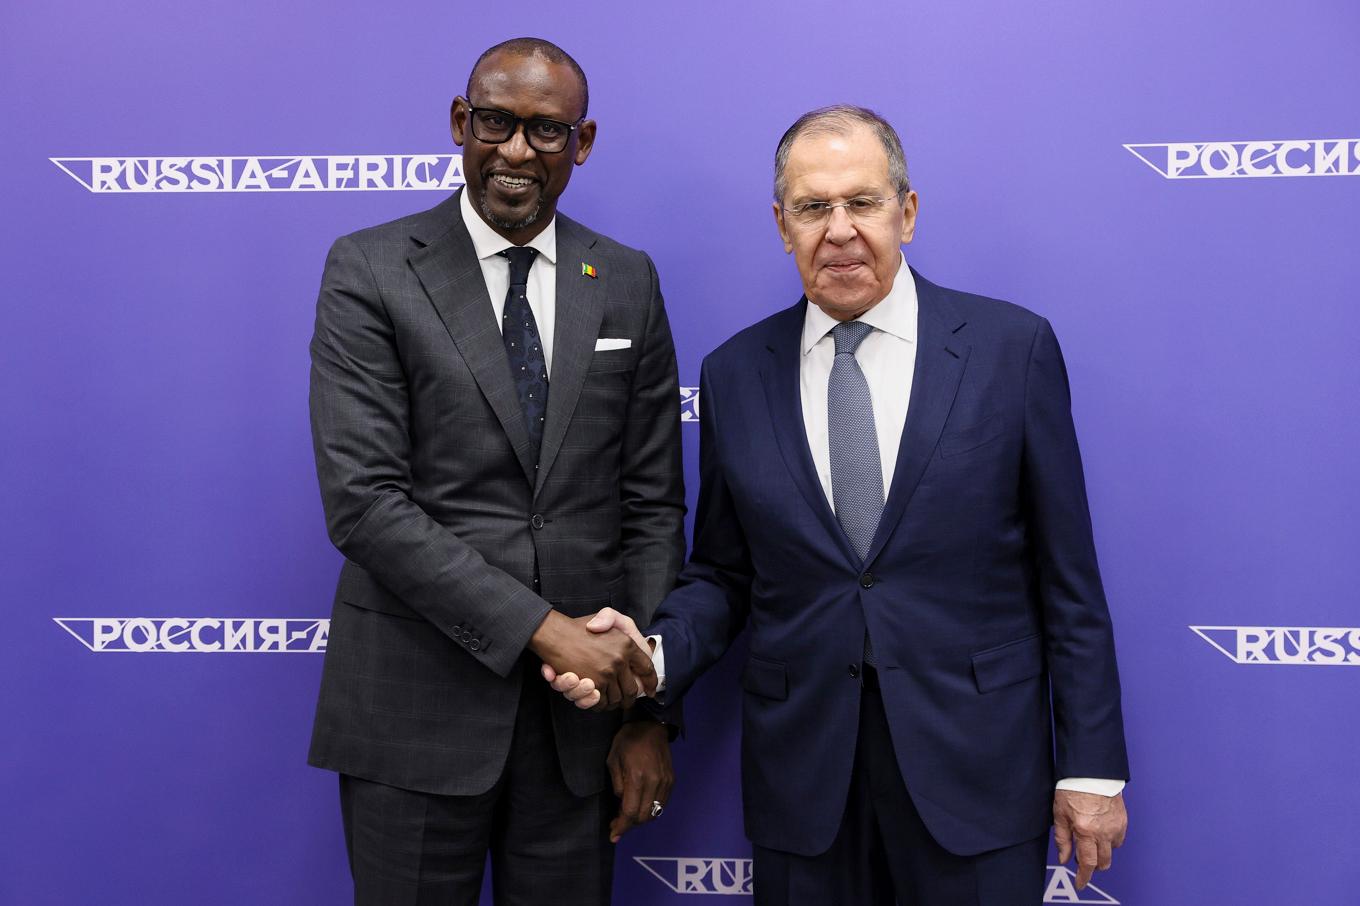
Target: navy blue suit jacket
column 981, row 591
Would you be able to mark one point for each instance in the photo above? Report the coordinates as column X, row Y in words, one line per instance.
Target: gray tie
column 856, row 471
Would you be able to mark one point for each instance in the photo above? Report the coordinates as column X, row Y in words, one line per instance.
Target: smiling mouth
column 512, row 183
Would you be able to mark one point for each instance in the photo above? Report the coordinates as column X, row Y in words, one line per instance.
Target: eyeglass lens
column 495, row 126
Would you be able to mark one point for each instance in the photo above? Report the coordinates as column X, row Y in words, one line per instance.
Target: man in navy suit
column 892, row 501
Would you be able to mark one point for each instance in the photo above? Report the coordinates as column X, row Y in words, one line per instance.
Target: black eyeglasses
column 496, row 126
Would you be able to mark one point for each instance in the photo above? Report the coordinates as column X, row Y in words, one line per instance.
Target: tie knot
column 521, row 258
column 849, row 334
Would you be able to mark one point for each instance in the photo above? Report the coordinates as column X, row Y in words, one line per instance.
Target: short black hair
column 535, row 47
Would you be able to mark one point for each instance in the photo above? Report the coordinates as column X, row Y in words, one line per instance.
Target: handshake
column 599, row 663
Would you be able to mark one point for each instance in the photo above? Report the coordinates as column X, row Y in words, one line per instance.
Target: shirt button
column 537, row 521
column 866, row 580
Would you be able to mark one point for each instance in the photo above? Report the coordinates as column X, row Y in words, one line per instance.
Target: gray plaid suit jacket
column 431, row 495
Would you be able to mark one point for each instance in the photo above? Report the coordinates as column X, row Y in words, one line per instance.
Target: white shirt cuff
column 1095, row 785
column 658, row 663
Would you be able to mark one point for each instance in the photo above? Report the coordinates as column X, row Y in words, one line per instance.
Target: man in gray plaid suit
column 495, row 418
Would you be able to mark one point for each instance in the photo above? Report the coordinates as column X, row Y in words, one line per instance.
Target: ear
column 458, row 119
column 585, row 140
column 909, row 209
column 783, row 228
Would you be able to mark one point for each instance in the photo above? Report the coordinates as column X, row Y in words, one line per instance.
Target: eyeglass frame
column 516, row 122
column 879, row 200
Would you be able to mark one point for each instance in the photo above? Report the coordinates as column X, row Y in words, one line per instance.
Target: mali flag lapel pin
column 588, row 270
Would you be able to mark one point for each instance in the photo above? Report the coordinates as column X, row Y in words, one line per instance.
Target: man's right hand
column 611, row 660
column 581, row 691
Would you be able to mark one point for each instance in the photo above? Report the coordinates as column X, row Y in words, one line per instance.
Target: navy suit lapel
column 448, row 269
column 780, row 374
column 941, row 357
column 580, row 309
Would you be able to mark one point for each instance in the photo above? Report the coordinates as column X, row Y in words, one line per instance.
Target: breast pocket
column 606, row 388
column 969, row 438
column 608, row 361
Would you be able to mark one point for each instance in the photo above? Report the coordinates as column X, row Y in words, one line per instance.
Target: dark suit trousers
column 883, row 854
column 546, row 845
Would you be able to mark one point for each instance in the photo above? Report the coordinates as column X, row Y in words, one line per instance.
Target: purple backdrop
column 154, row 361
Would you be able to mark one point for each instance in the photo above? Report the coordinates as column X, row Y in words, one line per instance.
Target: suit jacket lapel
column 781, row 374
column 580, row 309
column 448, row 269
column 941, row 357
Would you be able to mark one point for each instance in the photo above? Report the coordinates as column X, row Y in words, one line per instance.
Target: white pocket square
column 604, row 343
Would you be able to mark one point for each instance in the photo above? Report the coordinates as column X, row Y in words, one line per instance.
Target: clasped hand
column 600, row 662
column 640, row 759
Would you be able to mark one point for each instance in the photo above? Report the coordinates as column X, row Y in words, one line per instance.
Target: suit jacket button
column 537, row 520
column 854, row 671
column 475, row 644
column 866, row 580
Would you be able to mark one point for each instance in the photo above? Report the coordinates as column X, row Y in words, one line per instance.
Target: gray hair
column 839, row 119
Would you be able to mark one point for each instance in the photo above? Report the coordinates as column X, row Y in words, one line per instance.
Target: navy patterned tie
column 856, row 471
column 524, row 347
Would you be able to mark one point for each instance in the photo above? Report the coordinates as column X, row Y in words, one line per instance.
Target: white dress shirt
column 888, row 359
column 542, row 287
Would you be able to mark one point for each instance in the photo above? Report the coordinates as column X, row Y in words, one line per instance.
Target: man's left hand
column 1092, row 824
column 640, row 766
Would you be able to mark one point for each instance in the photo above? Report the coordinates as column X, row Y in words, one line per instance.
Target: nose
column 840, row 229
column 515, row 150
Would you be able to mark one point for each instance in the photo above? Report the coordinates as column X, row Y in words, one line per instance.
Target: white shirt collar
column 895, row 313
column 488, row 242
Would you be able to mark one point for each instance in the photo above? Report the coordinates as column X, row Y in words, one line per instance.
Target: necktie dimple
column 856, row 470
column 524, row 347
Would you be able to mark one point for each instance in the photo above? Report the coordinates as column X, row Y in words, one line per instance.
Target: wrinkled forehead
column 842, row 163
column 527, row 85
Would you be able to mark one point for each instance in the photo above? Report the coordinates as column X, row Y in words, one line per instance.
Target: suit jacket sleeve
column 651, row 475
column 708, row 609
column 1078, row 637
column 360, row 435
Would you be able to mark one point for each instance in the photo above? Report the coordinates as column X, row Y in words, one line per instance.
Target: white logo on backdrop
column 733, row 877
column 1312, row 646
column 1062, row 888
column 267, row 173
column 198, row 634
column 689, row 404
column 730, row 877
column 1246, row 160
